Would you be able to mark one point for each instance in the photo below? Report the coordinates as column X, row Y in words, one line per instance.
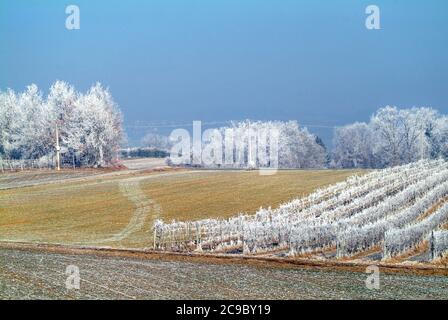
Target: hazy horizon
column 171, row 62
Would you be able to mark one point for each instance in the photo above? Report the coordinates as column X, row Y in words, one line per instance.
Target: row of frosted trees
column 89, row 125
column 248, row 143
column 392, row 137
column 297, row 147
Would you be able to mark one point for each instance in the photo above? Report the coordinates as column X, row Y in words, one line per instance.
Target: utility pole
column 249, row 155
column 422, row 151
column 251, row 162
column 58, row 150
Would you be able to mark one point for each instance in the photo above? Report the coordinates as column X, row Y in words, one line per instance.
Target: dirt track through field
column 145, row 209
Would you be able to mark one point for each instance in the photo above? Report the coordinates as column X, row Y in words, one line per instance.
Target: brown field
column 118, row 210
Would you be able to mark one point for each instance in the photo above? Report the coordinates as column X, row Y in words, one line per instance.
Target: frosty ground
column 38, row 275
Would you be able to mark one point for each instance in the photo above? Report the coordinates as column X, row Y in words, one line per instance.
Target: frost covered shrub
column 401, row 240
column 351, row 216
column 439, row 243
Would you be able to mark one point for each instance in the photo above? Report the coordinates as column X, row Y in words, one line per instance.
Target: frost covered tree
column 392, row 137
column 439, row 138
column 353, row 146
column 9, row 123
column 89, row 126
column 389, row 124
column 403, row 133
column 61, row 102
column 99, row 132
column 36, row 137
column 298, row 148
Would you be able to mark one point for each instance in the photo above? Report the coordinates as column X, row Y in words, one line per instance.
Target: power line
column 190, row 124
column 175, row 125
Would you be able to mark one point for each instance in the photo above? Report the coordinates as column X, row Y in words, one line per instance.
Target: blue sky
column 180, row 60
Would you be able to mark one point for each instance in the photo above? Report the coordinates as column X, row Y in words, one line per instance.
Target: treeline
column 90, row 131
column 89, row 125
column 392, row 137
column 143, row 153
column 251, row 144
